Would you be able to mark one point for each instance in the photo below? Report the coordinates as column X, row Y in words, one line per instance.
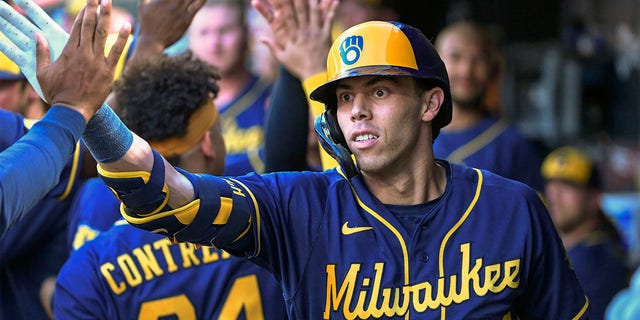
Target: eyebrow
column 369, row 83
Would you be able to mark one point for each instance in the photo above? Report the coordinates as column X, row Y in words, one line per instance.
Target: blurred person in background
column 476, row 137
column 219, row 35
column 16, row 93
column 594, row 245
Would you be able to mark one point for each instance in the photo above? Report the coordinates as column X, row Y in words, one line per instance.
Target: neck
column 579, row 233
column 408, row 187
column 231, row 84
column 463, row 118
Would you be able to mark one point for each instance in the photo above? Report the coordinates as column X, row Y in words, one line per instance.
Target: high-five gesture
column 82, row 76
column 301, row 33
column 163, row 22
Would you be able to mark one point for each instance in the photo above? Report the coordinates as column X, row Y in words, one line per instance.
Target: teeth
column 365, row 137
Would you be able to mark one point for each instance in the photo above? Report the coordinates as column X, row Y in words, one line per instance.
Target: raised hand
column 301, row 33
column 163, row 22
column 82, row 76
column 20, row 31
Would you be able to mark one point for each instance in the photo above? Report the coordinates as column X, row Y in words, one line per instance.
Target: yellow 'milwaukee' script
column 142, row 263
column 389, row 302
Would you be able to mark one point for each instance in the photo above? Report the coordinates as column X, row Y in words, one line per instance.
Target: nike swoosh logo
column 346, row 230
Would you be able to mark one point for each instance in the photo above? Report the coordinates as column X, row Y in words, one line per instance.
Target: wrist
column 87, row 115
column 145, row 47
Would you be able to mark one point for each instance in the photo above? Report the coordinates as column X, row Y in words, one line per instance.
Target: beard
column 473, row 103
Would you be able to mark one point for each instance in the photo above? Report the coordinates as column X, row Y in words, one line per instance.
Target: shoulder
column 502, row 191
column 13, row 128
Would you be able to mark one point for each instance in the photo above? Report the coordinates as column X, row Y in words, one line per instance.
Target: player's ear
column 206, row 147
column 432, row 100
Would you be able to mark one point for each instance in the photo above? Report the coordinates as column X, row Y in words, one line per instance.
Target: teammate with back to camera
column 126, row 272
column 442, row 239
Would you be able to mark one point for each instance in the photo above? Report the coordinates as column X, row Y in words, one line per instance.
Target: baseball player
column 219, row 35
column 392, row 232
column 595, row 246
column 476, row 137
column 128, row 273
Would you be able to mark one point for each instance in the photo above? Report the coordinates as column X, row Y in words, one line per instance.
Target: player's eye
column 345, row 97
column 380, row 93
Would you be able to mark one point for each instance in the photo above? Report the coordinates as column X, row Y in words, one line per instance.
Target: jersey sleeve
column 553, row 290
column 32, row 165
column 286, row 127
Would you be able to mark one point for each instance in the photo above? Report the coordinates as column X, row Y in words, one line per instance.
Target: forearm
column 286, row 126
column 118, row 150
column 38, row 156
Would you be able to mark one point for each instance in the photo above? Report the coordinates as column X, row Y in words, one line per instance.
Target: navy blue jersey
column 242, row 122
column 493, row 145
column 487, row 249
column 93, row 210
column 33, row 248
column 601, row 269
column 127, row 273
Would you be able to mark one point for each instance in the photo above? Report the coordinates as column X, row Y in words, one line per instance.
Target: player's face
column 218, row 37
column 381, row 118
column 568, row 204
column 468, row 66
column 12, row 95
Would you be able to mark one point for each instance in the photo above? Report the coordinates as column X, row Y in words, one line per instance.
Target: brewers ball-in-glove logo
column 350, row 49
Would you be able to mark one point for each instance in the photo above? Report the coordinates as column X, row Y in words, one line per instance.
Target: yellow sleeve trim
column 144, row 175
column 184, row 214
column 583, row 310
column 72, row 175
column 226, row 205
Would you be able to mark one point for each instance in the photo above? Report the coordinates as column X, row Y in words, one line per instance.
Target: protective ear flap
column 334, row 129
column 333, row 142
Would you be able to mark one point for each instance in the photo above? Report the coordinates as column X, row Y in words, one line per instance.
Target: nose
column 360, row 109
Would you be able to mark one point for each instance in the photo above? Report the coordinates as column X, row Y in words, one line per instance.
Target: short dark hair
column 422, row 85
column 156, row 97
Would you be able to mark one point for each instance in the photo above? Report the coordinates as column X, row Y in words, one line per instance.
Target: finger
column 329, row 14
column 43, row 59
column 16, row 36
column 15, row 26
column 39, row 17
column 315, row 13
column 264, row 10
column 194, row 7
column 76, row 29
column 89, row 21
column 118, row 47
column 273, row 47
column 102, row 27
column 283, row 9
column 301, row 11
column 12, row 52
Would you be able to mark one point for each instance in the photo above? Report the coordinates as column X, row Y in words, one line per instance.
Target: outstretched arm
column 77, row 83
column 155, row 196
column 301, row 40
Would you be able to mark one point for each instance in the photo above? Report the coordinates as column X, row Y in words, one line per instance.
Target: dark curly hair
column 156, row 97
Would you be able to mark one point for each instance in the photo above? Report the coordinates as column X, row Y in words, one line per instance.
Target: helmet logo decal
column 350, row 49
